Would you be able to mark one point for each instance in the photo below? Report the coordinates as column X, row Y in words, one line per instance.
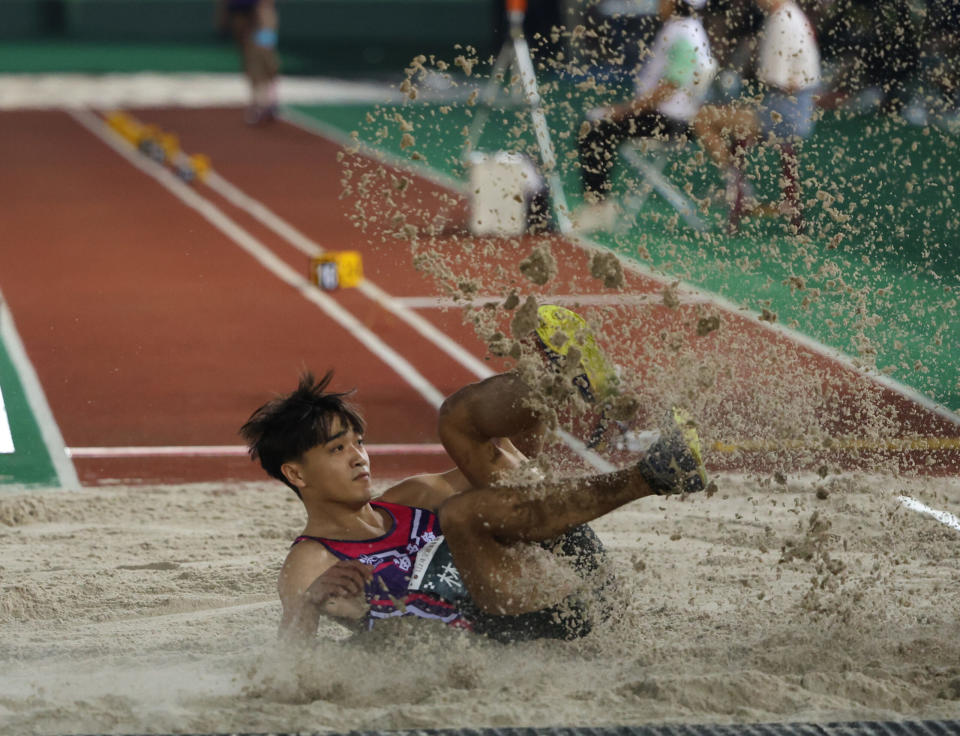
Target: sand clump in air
column 540, row 266
column 144, row 609
column 607, row 268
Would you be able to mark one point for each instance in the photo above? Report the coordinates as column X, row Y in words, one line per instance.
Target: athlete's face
column 338, row 470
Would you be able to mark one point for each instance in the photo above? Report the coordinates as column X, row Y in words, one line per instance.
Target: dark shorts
column 573, row 617
column 655, row 125
column 598, row 146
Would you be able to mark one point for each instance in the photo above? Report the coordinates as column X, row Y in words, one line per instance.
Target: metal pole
column 542, row 132
column 518, row 49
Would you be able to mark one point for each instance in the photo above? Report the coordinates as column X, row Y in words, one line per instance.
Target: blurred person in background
column 900, row 57
column 670, row 88
column 253, row 24
column 788, row 65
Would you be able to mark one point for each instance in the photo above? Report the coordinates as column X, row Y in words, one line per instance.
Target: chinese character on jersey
column 450, row 576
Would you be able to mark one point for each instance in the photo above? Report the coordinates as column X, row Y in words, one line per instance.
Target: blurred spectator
column 895, row 55
column 788, row 64
column 253, row 24
column 670, row 88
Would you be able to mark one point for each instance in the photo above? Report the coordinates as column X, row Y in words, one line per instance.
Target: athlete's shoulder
column 426, row 491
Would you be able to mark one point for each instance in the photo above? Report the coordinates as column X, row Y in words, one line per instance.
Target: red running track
column 148, row 326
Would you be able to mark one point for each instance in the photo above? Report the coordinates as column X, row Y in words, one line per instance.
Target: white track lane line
column 337, row 136
column 49, row 431
column 944, row 517
column 584, row 300
column 270, row 261
column 395, row 306
column 307, row 246
column 687, row 291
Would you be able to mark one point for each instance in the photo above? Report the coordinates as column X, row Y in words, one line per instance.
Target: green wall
column 319, row 35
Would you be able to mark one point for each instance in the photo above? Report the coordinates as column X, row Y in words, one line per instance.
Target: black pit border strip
column 850, row 728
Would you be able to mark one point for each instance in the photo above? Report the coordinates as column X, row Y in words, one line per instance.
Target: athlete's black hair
column 288, row 426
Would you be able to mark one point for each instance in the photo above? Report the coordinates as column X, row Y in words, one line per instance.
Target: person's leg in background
column 726, row 132
column 787, row 120
column 265, row 62
column 597, row 152
column 254, row 28
column 598, row 144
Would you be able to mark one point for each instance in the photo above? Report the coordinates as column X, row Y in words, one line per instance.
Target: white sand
column 144, row 609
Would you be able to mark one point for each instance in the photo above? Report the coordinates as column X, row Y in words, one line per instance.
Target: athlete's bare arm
column 313, row 583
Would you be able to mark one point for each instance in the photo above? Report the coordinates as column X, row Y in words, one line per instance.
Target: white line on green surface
column 37, row 400
column 6, row 438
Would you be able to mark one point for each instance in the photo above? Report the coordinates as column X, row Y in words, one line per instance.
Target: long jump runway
column 805, row 598
column 158, row 314
column 149, row 326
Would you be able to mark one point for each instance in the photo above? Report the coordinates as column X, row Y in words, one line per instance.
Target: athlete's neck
column 335, row 521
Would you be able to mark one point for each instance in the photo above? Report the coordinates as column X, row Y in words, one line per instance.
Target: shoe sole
column 597, row 371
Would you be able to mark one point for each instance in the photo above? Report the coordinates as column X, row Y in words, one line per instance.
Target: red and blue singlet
column 393, row 558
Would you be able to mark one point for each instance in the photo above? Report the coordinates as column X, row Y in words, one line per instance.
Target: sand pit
column 152, row 609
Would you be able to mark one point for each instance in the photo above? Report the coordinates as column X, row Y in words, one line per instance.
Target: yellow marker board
column 337, row 269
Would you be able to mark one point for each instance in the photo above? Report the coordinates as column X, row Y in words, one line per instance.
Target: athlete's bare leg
column 266, row 63
column 255, row 35
column 487, row 527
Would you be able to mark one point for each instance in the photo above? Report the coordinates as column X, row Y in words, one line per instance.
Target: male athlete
column 472, row 547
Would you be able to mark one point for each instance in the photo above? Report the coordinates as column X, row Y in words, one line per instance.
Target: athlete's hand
column 345, row 579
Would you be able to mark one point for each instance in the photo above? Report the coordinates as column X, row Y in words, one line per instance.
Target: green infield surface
column 25, row 451
column 875, row 275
